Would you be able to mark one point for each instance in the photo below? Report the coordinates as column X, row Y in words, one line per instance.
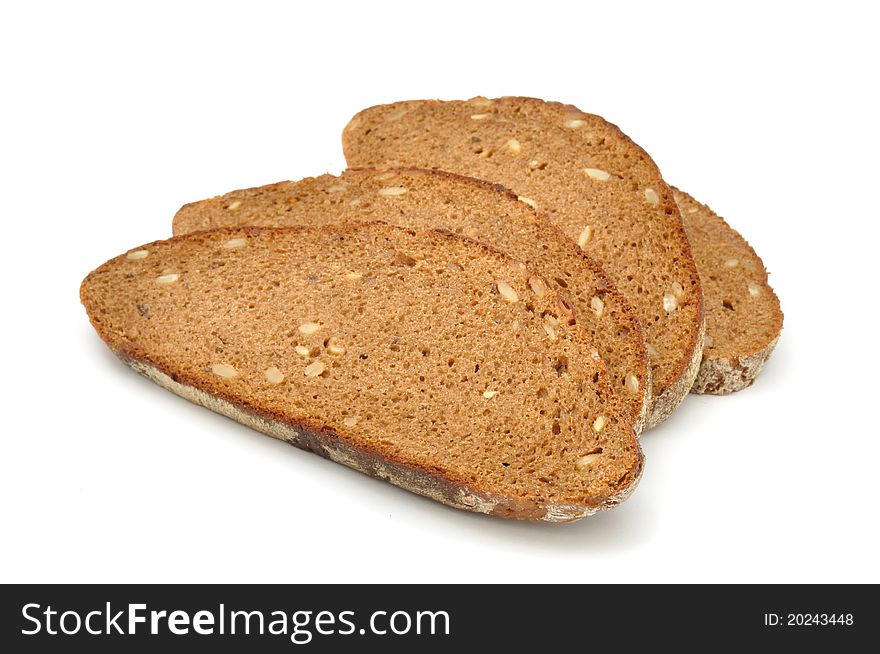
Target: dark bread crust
column 665, row 400
column 330, row 443
column 723, row 376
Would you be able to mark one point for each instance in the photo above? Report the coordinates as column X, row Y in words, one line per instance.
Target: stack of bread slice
column 487, row 309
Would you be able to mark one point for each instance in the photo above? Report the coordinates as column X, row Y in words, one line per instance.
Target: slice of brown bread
column 422, row 359
column 590, row 179
column 420, row 199
column 739, row 343
column 743, row 316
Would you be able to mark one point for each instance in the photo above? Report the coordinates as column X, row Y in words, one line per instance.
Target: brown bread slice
column 743, row 316
column 419, row 199
column 741, row 342
column 591, row 180
column 425, row 360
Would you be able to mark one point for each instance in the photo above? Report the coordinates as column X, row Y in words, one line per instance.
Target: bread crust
column 719, row 376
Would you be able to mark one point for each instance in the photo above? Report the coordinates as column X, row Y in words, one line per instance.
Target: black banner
column 428, row 618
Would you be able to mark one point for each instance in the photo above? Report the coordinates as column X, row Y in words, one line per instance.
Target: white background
column 111, row 117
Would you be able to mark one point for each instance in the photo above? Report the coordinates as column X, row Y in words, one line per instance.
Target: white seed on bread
column 273, row 375
column 652, row 197
column 224, row 370
column 166, row 279
column 514, row 146
column 597, row 174
column 395, row 115
column 308, row 328
column 585, row 461
column 353, row 276
column 575, row 123
column 234, row 205
column 731, row 263
column 336, row 188
column 137, row 254
column 708, row 341
column 754, row 290
column 586, row 236
column 599, row 423
column 479, row 116
column 528, row 201
column 538, row 286
column 302, row 350
column 489, row 394
column 334, row 347
column 597, row 305
column 391, row 191
column 350, row 421
column 314, row 369
column 670, row 303
column 551, row 331
column 632, row 383
column 233, row 243
column 652, row 351
column 506, row 291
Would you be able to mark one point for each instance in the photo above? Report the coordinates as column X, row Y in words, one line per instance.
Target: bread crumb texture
column 394, row 379
column 588, row 178
column 466, row 207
